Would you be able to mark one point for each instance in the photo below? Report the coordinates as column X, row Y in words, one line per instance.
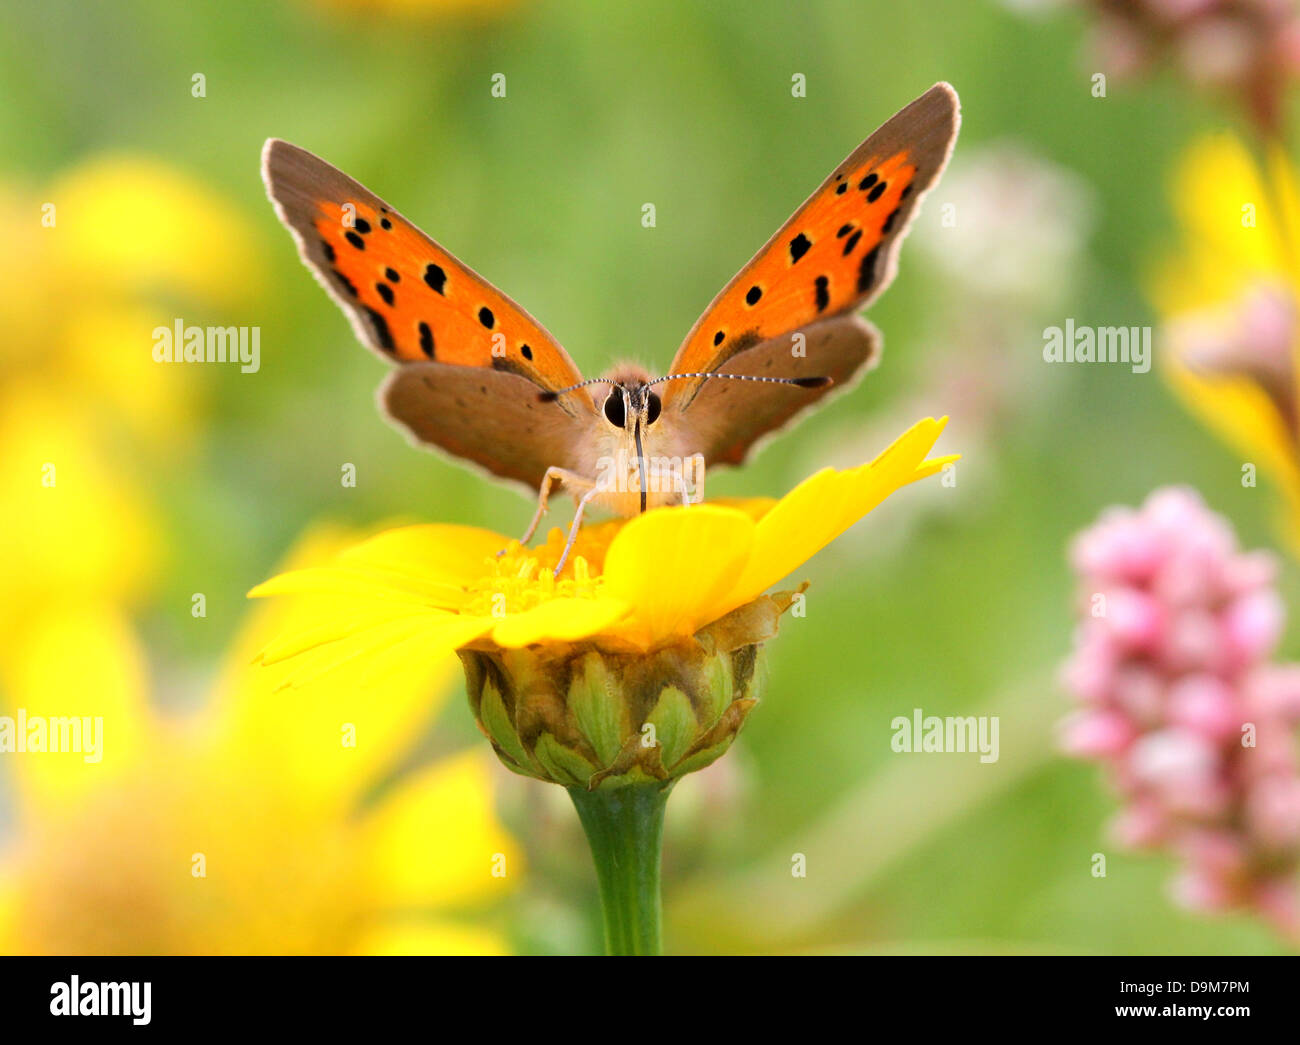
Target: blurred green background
column 954, row 600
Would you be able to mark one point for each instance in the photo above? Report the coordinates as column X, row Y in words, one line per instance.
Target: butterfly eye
column 614, row 411
column 652, row 408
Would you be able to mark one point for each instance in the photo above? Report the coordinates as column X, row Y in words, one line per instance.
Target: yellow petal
column 410, row 937
column 1216, row 179
column 11, row 900
column 564, row 619
column 434, row 841
column 1242, row 414
column 387, row 586
column 78, row 663
column 674, row 565
column 823, row 506
column 1286, row 197
column 452, row 555
column 334, row 733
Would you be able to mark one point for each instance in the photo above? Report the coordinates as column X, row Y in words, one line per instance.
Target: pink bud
column 1248, row 572
column 1252, row 625
column 1141, row 824
column 1276, row 902
column 1274, row 690
column 1089, row 671
column 1193, row 641
column 1095, row 734
column 1222, row 854
column 1133, row 618
column 1205, row 705
column 1198, row 890
column 1273, row 811
column 1139, row 692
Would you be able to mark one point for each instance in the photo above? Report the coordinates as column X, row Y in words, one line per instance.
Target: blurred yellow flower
column 95, row 261
column 1229, row 298
column 96, row 253
column 258, row 825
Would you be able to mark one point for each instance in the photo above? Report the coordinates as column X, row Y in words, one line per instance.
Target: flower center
column 520, row 579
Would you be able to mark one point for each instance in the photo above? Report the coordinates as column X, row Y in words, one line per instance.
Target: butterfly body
column 478, row 377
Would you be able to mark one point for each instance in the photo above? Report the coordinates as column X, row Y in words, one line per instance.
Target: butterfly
column 476, row 376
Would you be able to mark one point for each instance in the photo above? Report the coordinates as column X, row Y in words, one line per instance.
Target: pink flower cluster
column 1248, row 47
column 1180, row 700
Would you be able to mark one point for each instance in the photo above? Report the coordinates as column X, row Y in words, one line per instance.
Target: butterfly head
column 631, row 403
column 633, row 399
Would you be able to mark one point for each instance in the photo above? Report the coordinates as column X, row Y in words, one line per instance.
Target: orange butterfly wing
column 838, row 251
column 407, row 297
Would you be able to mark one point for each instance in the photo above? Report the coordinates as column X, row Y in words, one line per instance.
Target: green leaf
column 675, row 725
column 493, row 714
column 598, row 706
column 565, row 766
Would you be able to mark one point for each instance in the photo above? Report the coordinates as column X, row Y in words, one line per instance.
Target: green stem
column 625, row 829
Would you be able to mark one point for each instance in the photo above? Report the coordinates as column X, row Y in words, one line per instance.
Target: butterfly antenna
column 551, row 397
column 800, row 382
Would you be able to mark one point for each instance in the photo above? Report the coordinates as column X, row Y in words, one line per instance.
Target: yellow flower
column 257, row 825
column 86, row 414
column 653, row 621
column 1229, row 300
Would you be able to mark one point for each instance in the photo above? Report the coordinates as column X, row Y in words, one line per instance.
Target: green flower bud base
column 618, row 726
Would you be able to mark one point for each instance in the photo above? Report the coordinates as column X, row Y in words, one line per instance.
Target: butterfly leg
column 583, row 501
column 553, row 476
column 691, row 490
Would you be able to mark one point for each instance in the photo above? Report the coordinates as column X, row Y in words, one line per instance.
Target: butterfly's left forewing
column 470, row 362
column 834, row 256
column 408, row 298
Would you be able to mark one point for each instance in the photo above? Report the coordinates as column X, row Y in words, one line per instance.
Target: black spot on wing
column 823, row 289
column 799, row 246
column 426, row 339
column 867, row 269
column 526, row 351
column 742, row 341
column 329, row 251
column 888, row 226
column 355, row 240
column 380, row 325
column 510, row 366
column 362, row 226
column 877, row 192
column 385, row 292
column 852, row 242
column 868, row 181
column 392, row 275
column 486, row 318
column 436, row 278
column 345, row 283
